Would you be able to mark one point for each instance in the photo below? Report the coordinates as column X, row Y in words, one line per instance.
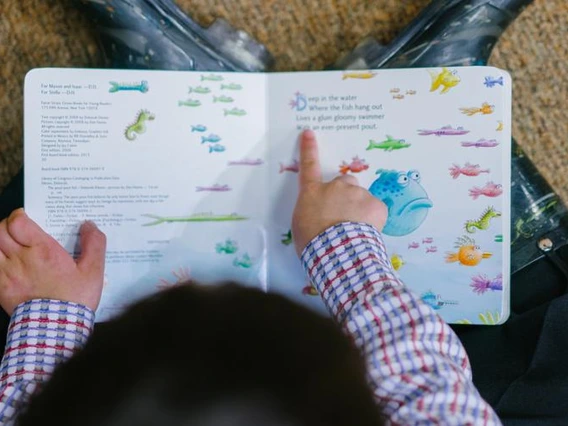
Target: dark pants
column 520, row 367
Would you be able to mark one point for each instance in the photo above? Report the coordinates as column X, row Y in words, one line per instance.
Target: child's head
column 206, row 356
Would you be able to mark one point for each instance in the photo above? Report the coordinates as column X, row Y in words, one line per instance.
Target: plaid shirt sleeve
column 417, row 367
column 42, row 334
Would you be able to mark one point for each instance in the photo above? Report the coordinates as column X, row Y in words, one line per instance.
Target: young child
column 231, row 356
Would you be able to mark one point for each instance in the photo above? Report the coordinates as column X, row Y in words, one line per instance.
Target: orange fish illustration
column 485, row 109
column 398, row 96
column 469, row 254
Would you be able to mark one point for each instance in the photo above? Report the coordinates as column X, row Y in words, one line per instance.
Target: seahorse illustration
column 483, row 222
column 139, row 126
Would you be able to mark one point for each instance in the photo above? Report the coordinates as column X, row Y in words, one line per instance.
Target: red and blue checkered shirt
column 417, row 367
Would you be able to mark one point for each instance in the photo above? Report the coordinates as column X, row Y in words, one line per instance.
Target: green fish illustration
column 229, row 247
column 390, row 144
column 287, row 238
column 195, row 218
column 199, row 89
column 190, row 103
column 235, row 111
column 223, row 98
column 212, row 77
column 499, row 238
column 244, row 262
column 231, row 86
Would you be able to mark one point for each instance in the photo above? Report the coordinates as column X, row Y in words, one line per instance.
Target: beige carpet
column 305, row 35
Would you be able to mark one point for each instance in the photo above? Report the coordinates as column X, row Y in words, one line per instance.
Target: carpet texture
column 305, row 35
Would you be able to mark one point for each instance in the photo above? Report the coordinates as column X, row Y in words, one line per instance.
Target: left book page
column 162, row 162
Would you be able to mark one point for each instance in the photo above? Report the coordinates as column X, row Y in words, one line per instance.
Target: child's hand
column 33, row 265
column 321, row 205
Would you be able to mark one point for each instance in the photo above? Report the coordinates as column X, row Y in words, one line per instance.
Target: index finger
column 310, row 169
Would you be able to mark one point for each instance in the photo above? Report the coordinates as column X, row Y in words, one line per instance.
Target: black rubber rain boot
column 157, row 34
column 446, row 32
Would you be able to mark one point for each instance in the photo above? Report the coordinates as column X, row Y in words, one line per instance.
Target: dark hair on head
column 218, row 355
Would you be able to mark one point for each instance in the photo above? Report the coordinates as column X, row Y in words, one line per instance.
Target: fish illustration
column 294, row 167
column 309, row 290
column 500, row 126
column 427, row 240
column 492, row 81
column 445, row 78
column 435, row 300
column 498, row 238
column 395, row 90
column 199, row 217
column 484, row 110
column 406, row 199
column 246, row 162
column 223, row 98
column 431, row 249
column 228, row 247
column 489, row 190
column 483, row 222
column 200, row 90
column 481, row 284
column 411, row 92
column 198, row 128
column 212, row 77
column 413, row 245
column 244, row 262
column 444, row 131
column 468, row 254
column 141, row 87
column 213, row 188
column 235, row 111
column 287, row 238
column 397, row 261
column 231, row 86
column 357, row 165
column 211, row 139
column 190, row 103
column 390, row 144
column 467, row 170
column 481, row 143
column 363, row 75
column 182, row 276
column 398, row 96
column 216, row 148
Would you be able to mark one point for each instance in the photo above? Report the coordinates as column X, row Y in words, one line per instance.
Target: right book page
column 434, row 144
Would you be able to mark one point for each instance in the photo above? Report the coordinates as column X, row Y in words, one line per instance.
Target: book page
column 170, row 165
column 434, row 145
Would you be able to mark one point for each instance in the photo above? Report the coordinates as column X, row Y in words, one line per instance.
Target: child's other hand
column 321, row 205
column 33, row 265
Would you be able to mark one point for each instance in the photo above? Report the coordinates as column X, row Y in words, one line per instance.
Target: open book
column 194, row 174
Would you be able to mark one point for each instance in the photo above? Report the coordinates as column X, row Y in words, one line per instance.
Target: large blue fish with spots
column 407, row 201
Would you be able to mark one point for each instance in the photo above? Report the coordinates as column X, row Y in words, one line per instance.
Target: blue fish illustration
column 198, row 128
column 435, row 300
column 211, row 139
column 492, row 81
column 407, row 201
column 216, row 148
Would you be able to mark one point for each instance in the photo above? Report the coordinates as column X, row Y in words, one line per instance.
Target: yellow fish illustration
column 485, row 109
column 364, row 75
column 500, row 126
column 445, row 78
column 397, row 261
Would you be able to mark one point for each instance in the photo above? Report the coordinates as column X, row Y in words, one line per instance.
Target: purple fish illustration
column 413, row 245
column 246, row 162
column 492, row 81
column 481, row 143
column 214, row 188
column 431, row 249
column 427, row 240
column 444, row 131
column 481, row 284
